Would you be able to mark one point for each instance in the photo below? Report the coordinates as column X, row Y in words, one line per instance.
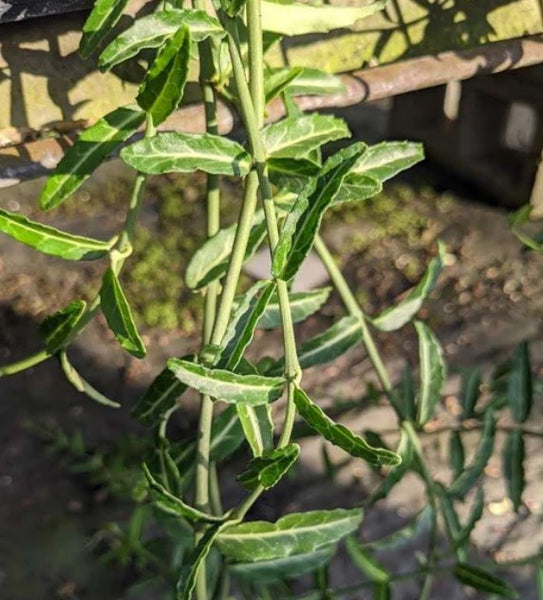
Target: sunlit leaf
column 56, row 328
column 432, row 373
column 301, row 304
column 385, row 160
column 357, row 187
column 277, row 80
column 99, row 24
column 257, row 425
column 267, row 470
column 314, row 82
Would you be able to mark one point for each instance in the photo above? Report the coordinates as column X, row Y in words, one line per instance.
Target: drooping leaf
column 385, row 160
column 210, row 261
column 119, row 316
column 513, row 466
column 268, row 571
column 469, row 394
column 520, row 386
column 257, row 425
column 366, row 563
column 432, row 373
column 267, row 470
column 162, row 88
column 483, row 581
column 315, row 82
column 50, row 240
column 153, row 30
column 291, row 18
column 301, row 304
column 302, row 223
column 397, row 316
column 471, row 474
column 89, row 151
column 227, row 386
column 56, row 328
column 99, row 24
column 456, row 454
column 186, row 153
column 339, row 435
column 295, row 137
column 357, row 187
column 296, row 533
column 277, row 80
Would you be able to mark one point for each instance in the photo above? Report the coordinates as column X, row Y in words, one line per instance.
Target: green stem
column 24, row 363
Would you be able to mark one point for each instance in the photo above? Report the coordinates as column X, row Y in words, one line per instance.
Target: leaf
column 89, row 151
column 315, row 82
column 406, row 535
column 469, row 394
column 99, row 24
column 267, row 470
column 210, row 261
column 161, row 395
column 382, row 591
column 432, row 373
column 520, row 387
column 153, row 30
column 162, row 88
column 257, row 426
column 397, row 316
column 385, row 160
column 301, row 304
column 513, row 466
column 187, row 153
column 291, row 18
column 356, row 188
column 268, row 571
column 50, row 240
column 302, row 223
column 483, row 581
column 172, row 505
column 296, row 533
column 292, row 175
column 56, row 328
column 456, row 454
column 227, row 386
column 475, row 515
column 278, row 79
column 452, row 522
column 539, row 581
column 339, row 435
column 119, row 316
column 403, row 399
column 295, row 137
column 226, row 434
column 366, row 563
column 471, row 474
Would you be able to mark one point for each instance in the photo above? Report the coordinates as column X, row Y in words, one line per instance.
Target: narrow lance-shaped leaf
column 520, row 387
column 186, row 153
column 483, row 581
column 276, row 81
column 456, row 454
column 119, row 316
column 267, row 470
column 257, row 425
column 432, row 373
column 385, row 160
column 339, row 435
column 368, row 564
column 452, row 522
column 469, row 394
column 296, row 533
column 315, row 82
column 475, row 515
column 291, row 18
column 408, row 534
column 153, row 30
column 301, row 304
column 403, row 399
column 52, row 241
column 227, row 386
column 56, row 328
column 99, row 23
column 513, row 466
column 162, row 88
column 397, row 316
column 89, row 151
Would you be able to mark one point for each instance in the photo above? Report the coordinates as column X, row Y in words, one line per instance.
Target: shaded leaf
column 257, row 425
column 469, row 394
column 475, row 515
column 301, row 304
column 520, row 387
column 89, row 151
column 226, row 434
column 315, row 82
column 513, row 466
column 452, row 522
column 267, row 470
column 292, row 175
column 56, row 328
column 119, row 316
column 408, row 534
column 385, row 160
column 278, row 79
column 99, row 24
column 483, row 581
column 456, row 454
column 432, row 373
column 366, row 563
column 403, row 399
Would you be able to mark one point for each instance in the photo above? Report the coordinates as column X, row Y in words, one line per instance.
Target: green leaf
column 291, row 18
column 257, row 425
column 385, row 160
column 483, row 581
column 232, row 7
column 456, row 454
column 56, row 328
column 315, row 82
column 292, row 175
column 162, row 88
column 302, row 223
column 301, row 304
column 172, row 505
column 397, row 316
column 268, row 571
column 267, row 470
column 403, row 398
column 408, row 534
column 339, row 435
column 539, row 581
column 297, row 533
column 452, row 522
column 89, row 151
column 382, row 591
column 227, row 386
column 50, row 240
column 99, row 24
column 186, row 153
column 469, row 394
column 119, row 316
column 471, row 474
column 366, row 563
column 153, row 30
column 432, row 373
column 513, row 466
column 357, row 187
column 161, row 395
column 475, row 515
column 278, row 79
column 520, row 387
column 226, row 434
column 210, row 261
column 295, row 137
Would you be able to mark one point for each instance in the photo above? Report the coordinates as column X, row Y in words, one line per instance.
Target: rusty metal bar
column 35, row 158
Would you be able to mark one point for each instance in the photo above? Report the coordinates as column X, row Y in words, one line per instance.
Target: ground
column 487, row 301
